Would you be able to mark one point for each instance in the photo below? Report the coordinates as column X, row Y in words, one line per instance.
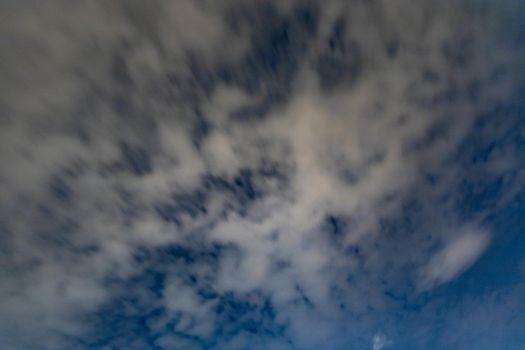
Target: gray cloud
column 277, row 165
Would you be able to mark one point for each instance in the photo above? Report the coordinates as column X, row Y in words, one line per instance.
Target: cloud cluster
column 250, row 174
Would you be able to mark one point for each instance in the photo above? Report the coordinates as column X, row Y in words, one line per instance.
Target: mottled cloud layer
column 262, row 175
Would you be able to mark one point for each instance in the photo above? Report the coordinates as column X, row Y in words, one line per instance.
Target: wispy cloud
column 380, row 341
column 457, row 256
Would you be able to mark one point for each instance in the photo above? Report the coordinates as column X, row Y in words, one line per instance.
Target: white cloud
column 380, row 341
column 454, row 258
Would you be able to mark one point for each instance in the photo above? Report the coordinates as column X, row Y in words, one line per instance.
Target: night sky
column 262, row 175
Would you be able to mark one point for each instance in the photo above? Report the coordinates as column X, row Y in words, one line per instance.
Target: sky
column 256, row 174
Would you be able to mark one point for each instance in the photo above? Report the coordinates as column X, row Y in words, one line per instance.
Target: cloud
column 195, row 174
column 455, row 258
column 380, row 341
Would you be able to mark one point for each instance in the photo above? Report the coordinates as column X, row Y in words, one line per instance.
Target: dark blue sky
column 282, row 175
